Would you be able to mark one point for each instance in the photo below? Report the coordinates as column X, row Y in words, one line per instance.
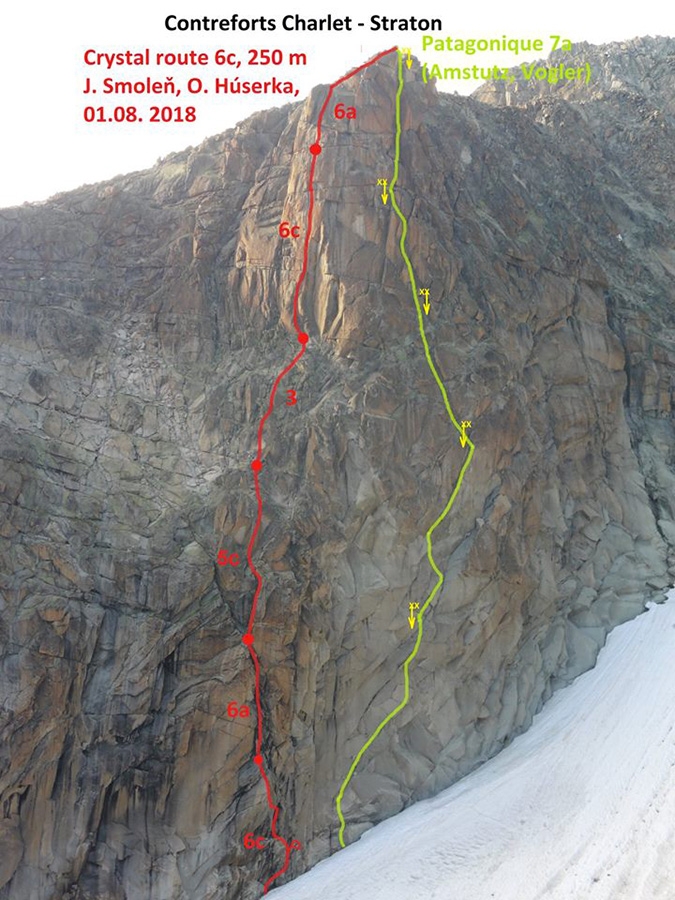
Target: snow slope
column 580, row 806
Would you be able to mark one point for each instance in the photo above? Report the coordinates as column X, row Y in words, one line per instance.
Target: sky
column 48, row 146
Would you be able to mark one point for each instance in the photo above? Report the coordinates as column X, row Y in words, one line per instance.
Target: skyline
column 54, row 150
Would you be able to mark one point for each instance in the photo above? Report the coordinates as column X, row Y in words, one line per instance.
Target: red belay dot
column 314, row 149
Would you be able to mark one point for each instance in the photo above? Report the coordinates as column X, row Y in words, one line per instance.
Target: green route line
column 448, row 506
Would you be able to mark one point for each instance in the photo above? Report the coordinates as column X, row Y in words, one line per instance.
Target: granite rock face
column 143, row 323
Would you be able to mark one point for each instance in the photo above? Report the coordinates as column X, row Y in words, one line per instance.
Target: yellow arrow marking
column 464, row 437
column 424, row 292
column 384, row 194
column 450, row 503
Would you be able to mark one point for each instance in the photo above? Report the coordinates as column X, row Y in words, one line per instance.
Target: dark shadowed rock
column 143, row 323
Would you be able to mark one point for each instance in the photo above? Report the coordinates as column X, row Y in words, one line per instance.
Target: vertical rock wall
column 143, row 322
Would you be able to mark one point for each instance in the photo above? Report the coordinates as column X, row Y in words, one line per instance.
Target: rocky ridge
column 143, row 321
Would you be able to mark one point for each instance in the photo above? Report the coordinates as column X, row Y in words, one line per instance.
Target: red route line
column 257, row 465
